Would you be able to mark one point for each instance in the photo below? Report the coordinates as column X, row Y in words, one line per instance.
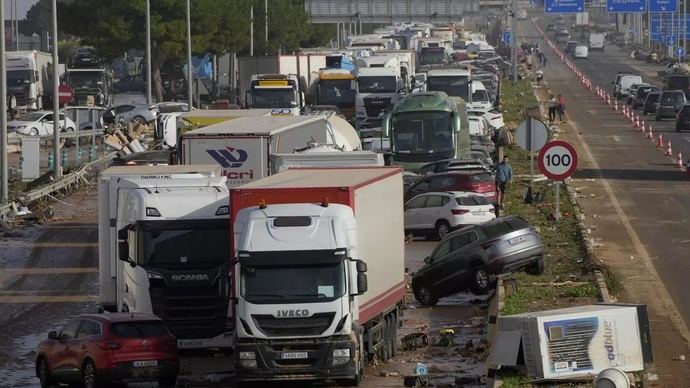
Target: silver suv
column 471, row 257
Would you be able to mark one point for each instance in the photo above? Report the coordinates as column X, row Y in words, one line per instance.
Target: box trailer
column 242, row 147
column 305, row 242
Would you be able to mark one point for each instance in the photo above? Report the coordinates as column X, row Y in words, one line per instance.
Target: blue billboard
column 664, row 26
column 626, row 5
column 663, row 5
column 564, row 6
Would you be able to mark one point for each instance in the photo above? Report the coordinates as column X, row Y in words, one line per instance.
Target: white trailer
column 29, row 78
column 306, row 241
column 163, row 237
column 242, row 147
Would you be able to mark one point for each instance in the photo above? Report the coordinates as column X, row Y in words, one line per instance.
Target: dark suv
column 683, row 119
column 475, row 181
column 471, row 257
column 650, row 102
column 641, row 94
column 670, row 103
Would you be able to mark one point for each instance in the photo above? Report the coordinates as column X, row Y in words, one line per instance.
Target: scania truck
column 163, row 238
column 318, row 272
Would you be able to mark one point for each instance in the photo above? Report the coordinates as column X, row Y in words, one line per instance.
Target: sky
column 22, row 7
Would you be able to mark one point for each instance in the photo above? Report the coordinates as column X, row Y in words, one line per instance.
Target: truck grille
column 375, row 105
column 190, row 312
column 314, row 325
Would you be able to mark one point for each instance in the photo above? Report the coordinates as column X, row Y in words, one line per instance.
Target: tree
column 38, row 19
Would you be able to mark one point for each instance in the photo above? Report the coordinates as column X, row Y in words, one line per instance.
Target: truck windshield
column 273, row 97
column 19, row 77
column 455, row 86
column 422, row 132
column 292, row 284
column 433, row 55
column 184, row 246
column 337, row 92
column 79, row 79
column 381, row 84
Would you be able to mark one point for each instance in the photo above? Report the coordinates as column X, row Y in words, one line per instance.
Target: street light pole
column 513, row 40
column 251, row 31
column 189, row 58
column 4, row 187
column 266, row 20
column 57, row 160
column 149, row 99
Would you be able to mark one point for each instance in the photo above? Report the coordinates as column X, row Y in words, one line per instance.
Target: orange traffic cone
column 660, row 142
column 615, row 105
column 668, row 149
column 650, row 135
column 680, row 160
column 641, row 126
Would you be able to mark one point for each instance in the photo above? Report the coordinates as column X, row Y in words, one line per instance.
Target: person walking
column 560, row 108
column 553, row 104
column 504, row 176
column 539, row 76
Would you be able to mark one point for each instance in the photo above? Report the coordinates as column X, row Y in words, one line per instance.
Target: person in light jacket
column 504, row 176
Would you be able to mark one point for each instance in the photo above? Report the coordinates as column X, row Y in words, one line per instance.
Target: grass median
column 568, row 279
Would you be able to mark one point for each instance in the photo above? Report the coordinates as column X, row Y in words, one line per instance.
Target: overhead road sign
column 664, row 25
column 663, row 5
column 564, row 6
column 626, row 5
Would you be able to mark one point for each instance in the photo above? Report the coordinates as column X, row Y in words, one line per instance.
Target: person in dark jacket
column 504, row 176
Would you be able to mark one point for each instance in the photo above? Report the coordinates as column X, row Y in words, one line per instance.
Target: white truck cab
column 379, row 87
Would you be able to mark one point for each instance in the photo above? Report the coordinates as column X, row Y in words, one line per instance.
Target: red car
column 474, row 181
column 97, row 349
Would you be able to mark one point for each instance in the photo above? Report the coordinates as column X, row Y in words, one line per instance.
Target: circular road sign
column 557, row 160
column 538, row 134
column 680, row 52
column 65, row 94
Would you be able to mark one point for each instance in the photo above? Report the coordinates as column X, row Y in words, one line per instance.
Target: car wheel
column 482, row 281
column 43, row 373
column 139, row 120
column 33, row 132
column 88, row 375
column 168, row 381
column 442, row 229
column 536, row 268
column 423, row 294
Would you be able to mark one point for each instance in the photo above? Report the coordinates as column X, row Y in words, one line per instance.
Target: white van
column 581, row 52
column 622, row 84
column 596, row 41
column 480, row 96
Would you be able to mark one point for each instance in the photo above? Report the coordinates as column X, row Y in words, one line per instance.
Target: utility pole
column 149, row 99
column 251, row 31
column 16, row 26
column 57, row 160
column 4, row 187
column 513, row 39
column 190, row 82
column 266, row 21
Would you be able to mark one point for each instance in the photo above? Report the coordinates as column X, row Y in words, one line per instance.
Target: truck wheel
column 481, row 280
column 442, row 229
column 536, row 268
column 424, row 294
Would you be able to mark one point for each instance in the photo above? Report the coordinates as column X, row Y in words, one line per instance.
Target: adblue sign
column 242, row 159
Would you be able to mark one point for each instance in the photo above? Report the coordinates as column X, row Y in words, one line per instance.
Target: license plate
column 139, row 364
column 490, row 194
column 477, row 213
column 293, row 355
column 517, row 240
column 182, row 344
column 668, row 106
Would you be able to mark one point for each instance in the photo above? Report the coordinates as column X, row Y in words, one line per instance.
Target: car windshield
column 376, row 84
column 85, row 79
column 19, row 77
column 32, row 117
column 336, row 92
column 671, row 98
column 273, row 97
column 432, row 55
column 173, row 108
column 480, row 96
column 292, row 284
column 184, row 246
column 137, row 329
column 481, row 177
column 455, row 86
column 422, row 132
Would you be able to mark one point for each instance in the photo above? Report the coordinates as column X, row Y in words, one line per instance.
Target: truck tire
column 481, row 280
column 536, row 268
column 424, row 295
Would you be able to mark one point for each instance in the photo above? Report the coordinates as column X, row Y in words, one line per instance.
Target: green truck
column 426, row 127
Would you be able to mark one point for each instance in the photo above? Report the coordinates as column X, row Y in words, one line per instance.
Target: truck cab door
column 126, row 300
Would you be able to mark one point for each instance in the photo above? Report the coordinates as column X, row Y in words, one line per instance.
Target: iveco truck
column 163, row 237
column 318, row 272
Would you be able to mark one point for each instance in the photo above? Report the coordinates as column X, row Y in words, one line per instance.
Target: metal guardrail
column 66, row 182
column 14, row 138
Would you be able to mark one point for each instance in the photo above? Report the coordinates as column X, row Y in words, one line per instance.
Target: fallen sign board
column 576, row 341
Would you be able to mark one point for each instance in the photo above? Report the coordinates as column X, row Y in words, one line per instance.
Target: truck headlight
column 248, row 363
column 341, row 353
column 247, row 355
column 153, row 275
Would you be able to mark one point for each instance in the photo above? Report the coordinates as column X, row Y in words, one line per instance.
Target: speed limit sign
column 557, row 160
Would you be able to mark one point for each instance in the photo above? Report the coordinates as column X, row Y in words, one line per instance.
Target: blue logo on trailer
column 564, row 6
column 626, row 5
column 680, row 52
column 663, row 5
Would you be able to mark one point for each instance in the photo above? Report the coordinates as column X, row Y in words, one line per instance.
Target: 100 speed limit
column 557, row 160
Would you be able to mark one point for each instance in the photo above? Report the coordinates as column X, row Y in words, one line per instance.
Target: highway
column 637, row 197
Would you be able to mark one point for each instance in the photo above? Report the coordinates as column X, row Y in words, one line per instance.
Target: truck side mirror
column 385, row 126
column 362, row 285
column 123, row 245
column 361, row 266
column 302, row 101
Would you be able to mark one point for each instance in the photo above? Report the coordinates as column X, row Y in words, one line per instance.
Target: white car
column 493, row 116
column 39, row 123
column 476, row 126
column 581, row 51
column 440, row 213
